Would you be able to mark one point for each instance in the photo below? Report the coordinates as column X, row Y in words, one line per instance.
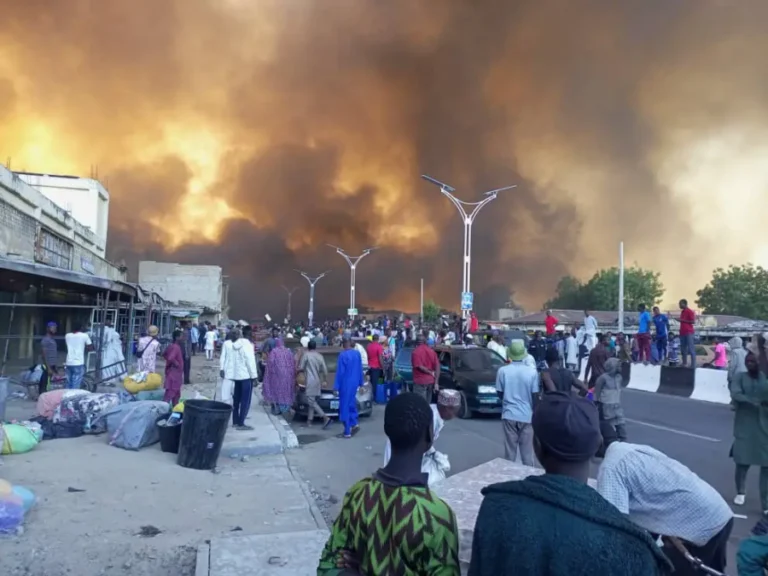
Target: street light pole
column 290, row 297
column 353, row 262
column 468, row 218
column 312, row 282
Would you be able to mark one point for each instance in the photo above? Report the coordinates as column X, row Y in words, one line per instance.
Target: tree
column 569, row 295
column 739, row 290
column 431, row 312
column 602, row 291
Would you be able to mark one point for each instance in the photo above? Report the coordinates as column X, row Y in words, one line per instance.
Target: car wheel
column 464, row 412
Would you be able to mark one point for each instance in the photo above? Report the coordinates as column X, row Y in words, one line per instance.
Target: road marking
column 741, row 516
column 674, row 430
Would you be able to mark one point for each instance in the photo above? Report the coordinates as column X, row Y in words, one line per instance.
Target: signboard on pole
column 467, row 299
column 352, row 311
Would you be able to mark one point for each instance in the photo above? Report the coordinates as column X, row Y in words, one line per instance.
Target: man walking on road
column 315, row 371
column 349, row 377
column 426, row 369
column 687, row 343
column 518, row 387
column 50, row 357
column 375, row 353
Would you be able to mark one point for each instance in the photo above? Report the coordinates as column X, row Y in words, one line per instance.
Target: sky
column 248, row 134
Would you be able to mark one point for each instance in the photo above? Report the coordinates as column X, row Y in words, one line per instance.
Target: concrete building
column 85, row 199
column 52, row 266
column 198, row 286
column 35, row 228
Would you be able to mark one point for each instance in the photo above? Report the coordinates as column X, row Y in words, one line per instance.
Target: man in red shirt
column 687, row 323
column 473, row 323
column 375, row 361
column 426, row 369
column 550, row 322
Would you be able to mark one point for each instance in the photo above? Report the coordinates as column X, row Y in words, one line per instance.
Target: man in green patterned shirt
column 391, row 524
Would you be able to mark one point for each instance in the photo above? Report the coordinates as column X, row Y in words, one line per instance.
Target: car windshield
column 331, row 360
column 404, row 356
column 478, row 359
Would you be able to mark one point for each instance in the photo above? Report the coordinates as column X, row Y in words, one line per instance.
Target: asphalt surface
column 698, row 434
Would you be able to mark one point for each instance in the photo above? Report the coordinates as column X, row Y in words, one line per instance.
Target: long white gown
column 113, row 359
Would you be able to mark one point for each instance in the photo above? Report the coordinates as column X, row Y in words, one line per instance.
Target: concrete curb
column 287, row 435
column 203, row 562
column 313, row 507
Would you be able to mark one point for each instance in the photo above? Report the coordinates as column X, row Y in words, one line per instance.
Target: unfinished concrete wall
column 200, row 285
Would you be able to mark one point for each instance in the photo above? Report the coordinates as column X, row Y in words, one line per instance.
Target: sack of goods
column 19, row 439
column 142, row 381
column 15, row 502
column 132, row 426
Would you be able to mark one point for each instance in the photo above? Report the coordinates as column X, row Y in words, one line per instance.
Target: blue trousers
column 351, row 420
column 75, row 376
column 241, row 401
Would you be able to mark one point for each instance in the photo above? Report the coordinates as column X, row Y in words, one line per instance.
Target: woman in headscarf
column 280, row 379
column 749, row 393
column 174, row 370
column 146, row 351
column 608, row 397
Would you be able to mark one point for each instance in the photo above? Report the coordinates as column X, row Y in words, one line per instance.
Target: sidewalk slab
column 285, row 554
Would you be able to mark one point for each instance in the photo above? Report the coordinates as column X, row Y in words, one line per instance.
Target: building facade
column 200, row 286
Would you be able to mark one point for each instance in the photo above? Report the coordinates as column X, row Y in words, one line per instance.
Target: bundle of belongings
column 143, row 386
column 132, row 426
column 15, row 502
column 70, row 413
column 19, row 437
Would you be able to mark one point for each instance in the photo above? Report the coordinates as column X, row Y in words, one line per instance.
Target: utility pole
column 621, row 286
column 353, row 262
column 312, row 281
column 468, row 218
column 290, row 296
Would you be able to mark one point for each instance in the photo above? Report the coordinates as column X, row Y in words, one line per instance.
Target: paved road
column 698, row 434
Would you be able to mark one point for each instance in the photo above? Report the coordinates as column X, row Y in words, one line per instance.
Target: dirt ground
column 94, row 499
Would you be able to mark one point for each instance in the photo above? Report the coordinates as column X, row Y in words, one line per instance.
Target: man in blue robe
column 349, row 377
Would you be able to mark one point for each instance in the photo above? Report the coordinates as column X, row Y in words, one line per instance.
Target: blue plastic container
column 381, row 394
column 393, row 389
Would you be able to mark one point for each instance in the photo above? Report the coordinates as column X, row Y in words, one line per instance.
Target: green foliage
column 739, row 290
column 601, row 292
column 431, row 312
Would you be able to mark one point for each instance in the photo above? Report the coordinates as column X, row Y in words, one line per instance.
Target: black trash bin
column 202, row 433
column 169, row 435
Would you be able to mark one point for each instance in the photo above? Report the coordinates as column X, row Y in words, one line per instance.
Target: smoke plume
column 250, row 134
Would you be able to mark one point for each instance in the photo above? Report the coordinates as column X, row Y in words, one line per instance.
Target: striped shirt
column 661, row 495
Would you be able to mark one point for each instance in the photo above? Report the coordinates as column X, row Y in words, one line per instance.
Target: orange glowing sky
column 251, row 133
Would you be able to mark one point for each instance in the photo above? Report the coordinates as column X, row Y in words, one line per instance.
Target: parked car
column 471, row 371
column 328, row 401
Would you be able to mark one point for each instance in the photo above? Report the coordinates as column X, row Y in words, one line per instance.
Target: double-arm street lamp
column 290, row 292
column 312, row 281
column 468, row 212
column 353, row 262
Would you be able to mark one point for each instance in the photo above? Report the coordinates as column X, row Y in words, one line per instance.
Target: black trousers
column 187, row 367
column 712, row 554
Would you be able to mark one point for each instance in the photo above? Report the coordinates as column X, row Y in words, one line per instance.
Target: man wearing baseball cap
column 555, row 524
